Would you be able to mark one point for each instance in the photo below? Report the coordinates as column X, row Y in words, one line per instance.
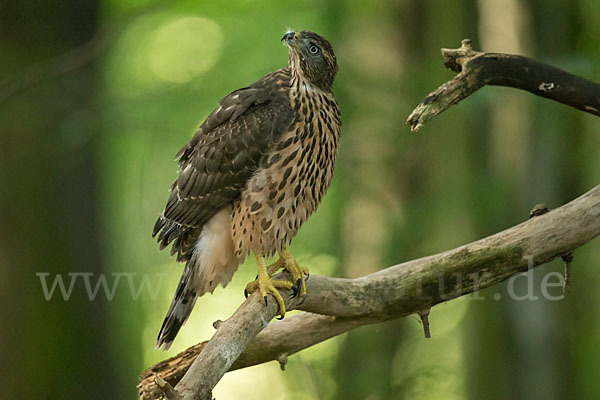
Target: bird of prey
column 255, row 170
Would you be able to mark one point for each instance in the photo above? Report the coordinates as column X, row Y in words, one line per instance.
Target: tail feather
column 180, row 309
column 210, row 260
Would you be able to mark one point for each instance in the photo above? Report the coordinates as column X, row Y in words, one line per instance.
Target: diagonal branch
column 479, row 69
column 404, row 289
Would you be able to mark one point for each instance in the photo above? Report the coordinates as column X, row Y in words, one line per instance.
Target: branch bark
column 479, row 69
column 336, row 305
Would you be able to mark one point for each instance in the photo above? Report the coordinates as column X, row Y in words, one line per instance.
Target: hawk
column 255, row 170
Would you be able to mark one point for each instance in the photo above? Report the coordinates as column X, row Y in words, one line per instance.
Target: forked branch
column 476, row 70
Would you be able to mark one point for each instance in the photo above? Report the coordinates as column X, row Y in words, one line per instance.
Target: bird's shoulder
column 216, row 164
column 268, row 95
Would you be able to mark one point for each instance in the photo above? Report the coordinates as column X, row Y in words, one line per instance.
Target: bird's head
column 312, row 58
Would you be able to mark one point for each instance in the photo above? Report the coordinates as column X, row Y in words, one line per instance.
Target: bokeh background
column 97, row 96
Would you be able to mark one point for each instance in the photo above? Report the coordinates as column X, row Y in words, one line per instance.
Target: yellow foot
column 298, row 272
column 266, row 285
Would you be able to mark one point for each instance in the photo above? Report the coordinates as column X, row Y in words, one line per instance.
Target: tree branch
column 394, row 292
column 479, row 69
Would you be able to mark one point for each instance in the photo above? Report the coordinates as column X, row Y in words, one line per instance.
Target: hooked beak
column 291, row 39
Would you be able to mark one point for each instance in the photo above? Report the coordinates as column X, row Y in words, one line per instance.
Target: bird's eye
column 313, row 49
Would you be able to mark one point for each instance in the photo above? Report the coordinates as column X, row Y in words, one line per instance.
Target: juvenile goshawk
column 254, row 171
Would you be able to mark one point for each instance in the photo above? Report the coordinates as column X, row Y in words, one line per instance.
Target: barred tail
column 211, row 260
column 180, row 309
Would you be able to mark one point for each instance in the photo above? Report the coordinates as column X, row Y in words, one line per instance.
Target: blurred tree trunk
column 582, row 170
column 516, row 348
column 368, row 163
column 49, row 213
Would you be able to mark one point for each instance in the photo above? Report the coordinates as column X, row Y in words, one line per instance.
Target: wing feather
column 216, row 164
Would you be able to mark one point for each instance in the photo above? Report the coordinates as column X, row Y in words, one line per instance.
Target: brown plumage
column 255, row 170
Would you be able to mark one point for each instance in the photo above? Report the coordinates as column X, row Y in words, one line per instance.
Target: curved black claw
column 245, row 293
column 296, row 288
column 279, row 317
column 307, row 276
column 302, row 301
column 265, row 300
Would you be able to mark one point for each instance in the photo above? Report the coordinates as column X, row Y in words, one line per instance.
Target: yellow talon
column 297, row 271
column 276, row 266
column 266, row 285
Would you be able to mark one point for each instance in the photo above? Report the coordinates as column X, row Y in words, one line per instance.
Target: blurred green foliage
column 86, row 162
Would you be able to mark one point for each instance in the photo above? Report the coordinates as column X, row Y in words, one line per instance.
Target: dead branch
column 401, row 290
column 479, row 69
